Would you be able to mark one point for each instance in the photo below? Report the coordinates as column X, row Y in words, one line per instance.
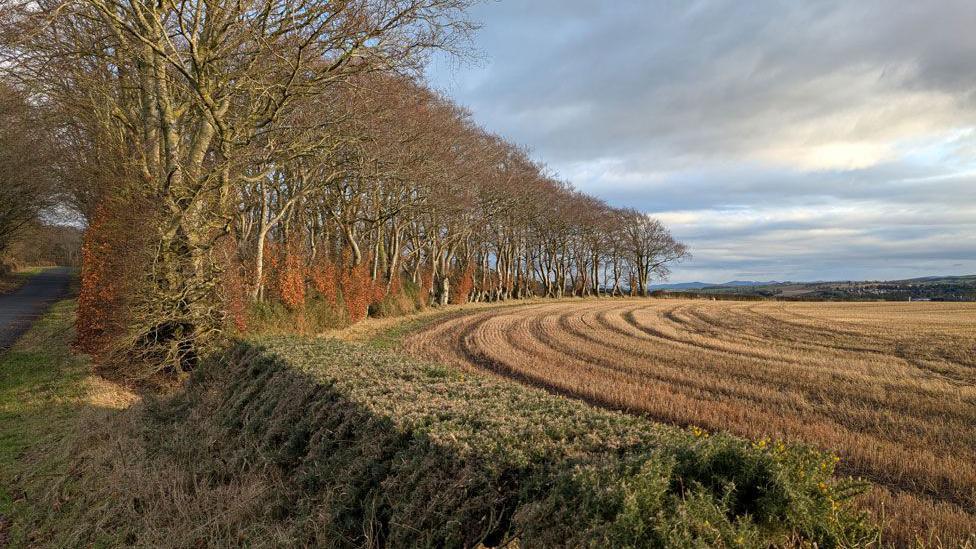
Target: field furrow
column 889, row 387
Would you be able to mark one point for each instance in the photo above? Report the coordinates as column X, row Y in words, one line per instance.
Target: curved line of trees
column 230, row 153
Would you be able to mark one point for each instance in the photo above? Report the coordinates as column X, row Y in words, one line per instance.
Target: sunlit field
column 890, row 387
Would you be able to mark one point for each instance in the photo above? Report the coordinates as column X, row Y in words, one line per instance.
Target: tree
column 227, row 153
column 650, row 248
column 183, row 91
column 26, row 186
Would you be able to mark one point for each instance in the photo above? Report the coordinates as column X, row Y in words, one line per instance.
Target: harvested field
column 890, row 387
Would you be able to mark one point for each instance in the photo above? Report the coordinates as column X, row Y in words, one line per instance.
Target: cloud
column 749, row 111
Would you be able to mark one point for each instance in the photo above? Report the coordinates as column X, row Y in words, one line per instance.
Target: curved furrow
column 752, row 369
column 652, row 366
column 793, row 393
column 852, row 369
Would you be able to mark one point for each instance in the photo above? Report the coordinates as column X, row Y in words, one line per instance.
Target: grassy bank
column 297, row 442
column 11, row 282
column 466, row 458
column 44, row 390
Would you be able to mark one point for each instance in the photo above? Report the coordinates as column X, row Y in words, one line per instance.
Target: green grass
column 41, row 385
column 11, row 282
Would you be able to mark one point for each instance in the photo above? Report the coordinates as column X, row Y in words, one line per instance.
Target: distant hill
column 700, row 285
column 682, row 286
column 932, row 288
column 741, row 283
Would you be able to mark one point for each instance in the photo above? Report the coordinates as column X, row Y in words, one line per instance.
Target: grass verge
column 42, row 387
column 11, row 282
column 402, row 452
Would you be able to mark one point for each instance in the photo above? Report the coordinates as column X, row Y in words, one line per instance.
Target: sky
column 781, row 140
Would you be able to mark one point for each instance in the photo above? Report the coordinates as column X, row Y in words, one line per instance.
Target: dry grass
column 891, row 387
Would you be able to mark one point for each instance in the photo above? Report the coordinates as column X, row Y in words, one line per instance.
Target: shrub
column 359, row 290
column 400, row 300
column 113, row 270
column 462, row 284
column 325, row 280
column 290, row 280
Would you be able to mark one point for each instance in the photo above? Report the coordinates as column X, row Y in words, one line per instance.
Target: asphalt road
column 19, row 309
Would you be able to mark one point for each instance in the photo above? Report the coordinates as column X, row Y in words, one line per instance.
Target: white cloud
column 812, row 138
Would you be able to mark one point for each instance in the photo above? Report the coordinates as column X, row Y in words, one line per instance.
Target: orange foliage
column 325, row 280
column 235, row 286
column 111, row 269
column 99, row 298
column 291, row 280
column 343, row 286
column 359, row 291
column 463, row 283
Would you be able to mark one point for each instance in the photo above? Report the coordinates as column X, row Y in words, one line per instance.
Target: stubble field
column 889, row 387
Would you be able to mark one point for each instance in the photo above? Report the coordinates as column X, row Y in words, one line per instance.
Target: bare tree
column 26, row 186
column 227, row 136
column 184, row 90
column 650, row 248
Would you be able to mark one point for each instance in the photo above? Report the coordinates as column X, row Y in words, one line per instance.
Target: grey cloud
column 727, row 187
column 693, row 80
column 751, row 110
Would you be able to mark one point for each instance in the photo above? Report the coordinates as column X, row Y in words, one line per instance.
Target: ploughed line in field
column 532, row 352
column 729, row 411
column 837, row 428
column 866, row 415
column 673, row 375
column 676, row 330
column 814, row 382
column 479, row 356
column 925, row 488
column 899, row 347
column 962, row 417
column 791, row 341
column 585, row 357
column 816, row 326
column 881, row 384
column 787, row 343
column 897, row 344
column 809, row 394
column 944, row 369
column 905, row 481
